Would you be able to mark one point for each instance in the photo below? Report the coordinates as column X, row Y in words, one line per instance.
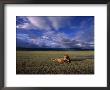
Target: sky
column 55, row 31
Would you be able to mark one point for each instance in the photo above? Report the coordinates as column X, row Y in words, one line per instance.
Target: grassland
column 38, row 62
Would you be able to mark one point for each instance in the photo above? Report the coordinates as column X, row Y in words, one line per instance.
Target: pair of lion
column 65, row 59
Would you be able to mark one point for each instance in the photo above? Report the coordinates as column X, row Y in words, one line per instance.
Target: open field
column 38, row 62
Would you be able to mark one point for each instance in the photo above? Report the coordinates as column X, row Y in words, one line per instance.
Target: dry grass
column 38, row 62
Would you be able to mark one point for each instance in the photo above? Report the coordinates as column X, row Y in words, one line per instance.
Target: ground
column 38, row 62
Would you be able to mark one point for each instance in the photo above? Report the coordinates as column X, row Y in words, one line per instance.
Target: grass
column 38, row 62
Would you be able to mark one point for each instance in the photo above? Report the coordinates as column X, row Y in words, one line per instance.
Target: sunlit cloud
column 56, row 31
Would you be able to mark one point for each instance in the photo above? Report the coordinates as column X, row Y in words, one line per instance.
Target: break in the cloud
column 55, row 31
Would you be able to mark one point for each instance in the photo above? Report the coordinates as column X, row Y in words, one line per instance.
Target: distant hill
column 52, row 49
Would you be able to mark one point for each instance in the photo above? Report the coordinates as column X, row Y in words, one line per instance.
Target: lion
column 59, row 60
column 65, row 59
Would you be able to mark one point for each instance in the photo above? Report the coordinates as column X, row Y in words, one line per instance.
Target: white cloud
column 26, row 26
column 44, row 22
column 39, row 22
column 22, row 36
column 58, row 21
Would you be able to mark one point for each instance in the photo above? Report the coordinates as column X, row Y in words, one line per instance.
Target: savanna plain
column 39, row 62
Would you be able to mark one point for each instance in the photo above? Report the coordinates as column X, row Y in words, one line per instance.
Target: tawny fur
column 59, row 60
column 66, row 59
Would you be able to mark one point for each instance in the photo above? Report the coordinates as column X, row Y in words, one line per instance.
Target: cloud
column 86, row 31
column 22, row 23
column 48, row 22
column 48, row 39
column 39, row 22
column 22, row 36
column 56, row 22
column 52, row 40
column 25, row 26
column 42, row 22
column 51, row 35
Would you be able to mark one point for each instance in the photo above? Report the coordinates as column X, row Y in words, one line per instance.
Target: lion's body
column 59, row 60
column 66, row 59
